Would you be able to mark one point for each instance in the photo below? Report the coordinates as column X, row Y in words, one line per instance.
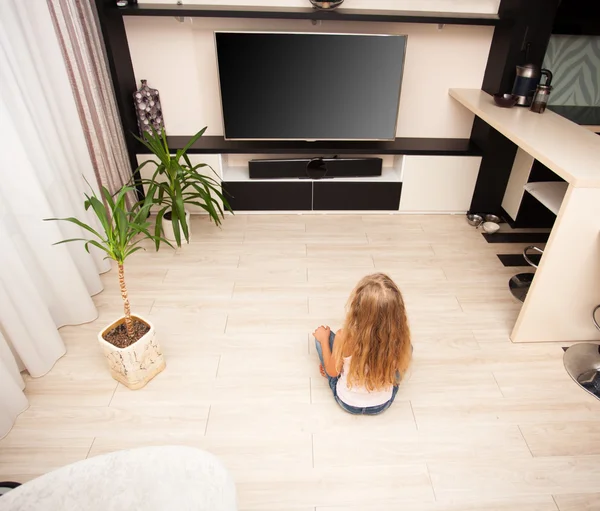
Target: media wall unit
column 445, row 184
column 420, row 174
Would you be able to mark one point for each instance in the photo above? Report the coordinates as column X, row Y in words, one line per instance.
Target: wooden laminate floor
column 480, row 424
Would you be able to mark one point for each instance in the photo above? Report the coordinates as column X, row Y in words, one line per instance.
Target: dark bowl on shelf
column 326, row 5
column 505, row 100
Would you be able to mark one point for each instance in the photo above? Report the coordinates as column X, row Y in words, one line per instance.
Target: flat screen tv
column 295, row 86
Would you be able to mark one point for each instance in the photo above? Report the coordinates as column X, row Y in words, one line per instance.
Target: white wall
column 473, row 6
column 179, row 60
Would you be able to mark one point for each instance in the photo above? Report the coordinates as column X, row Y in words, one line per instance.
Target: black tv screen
column 309, row 86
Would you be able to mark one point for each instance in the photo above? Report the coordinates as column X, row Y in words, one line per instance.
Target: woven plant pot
column 135, row 365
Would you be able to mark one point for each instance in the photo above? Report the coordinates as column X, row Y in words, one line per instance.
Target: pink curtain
column 78, row 32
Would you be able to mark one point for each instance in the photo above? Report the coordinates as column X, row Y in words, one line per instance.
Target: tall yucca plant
column 182, row 185
column 118, row 240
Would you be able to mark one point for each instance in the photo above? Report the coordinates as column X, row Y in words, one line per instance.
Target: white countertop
column 568, row 149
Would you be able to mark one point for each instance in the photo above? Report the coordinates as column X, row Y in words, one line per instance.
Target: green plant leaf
column 201, row 165
column 163, row 135
column 138, row 171
column 71, row 239
column 190, row 143
column 209, row 202
column 79, row 223
column 147, row 144
column 107, row 197
column 175, row 222
column 153, row 142
column 104, row 248
column 123, row 227
column 203, row 193
column 132, row 250
column 179, row 206
column 199, row 204
column 158, row 226
column 187, row 160
column 177, row 182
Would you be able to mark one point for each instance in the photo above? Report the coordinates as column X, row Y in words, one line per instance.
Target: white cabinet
column 442, row 184
column 519, row 175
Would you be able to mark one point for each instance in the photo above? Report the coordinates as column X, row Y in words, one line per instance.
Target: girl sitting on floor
column 365, row 361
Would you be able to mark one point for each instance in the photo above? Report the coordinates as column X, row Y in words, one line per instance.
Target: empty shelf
column 549, row 193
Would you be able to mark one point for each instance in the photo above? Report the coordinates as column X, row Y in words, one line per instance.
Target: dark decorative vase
column 326, row 6
column 148, row 109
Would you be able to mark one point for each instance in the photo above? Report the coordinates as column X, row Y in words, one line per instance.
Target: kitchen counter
column 569, row 150
column 566, row 287
column 586, row 116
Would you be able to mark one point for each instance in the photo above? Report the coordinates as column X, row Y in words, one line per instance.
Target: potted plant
column 129, row 343
column 177, row 183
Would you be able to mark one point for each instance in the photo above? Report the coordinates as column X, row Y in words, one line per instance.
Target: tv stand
column 375, row 193
column 432, row 175
column 418, row 175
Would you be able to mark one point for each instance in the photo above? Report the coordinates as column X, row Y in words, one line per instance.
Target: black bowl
column 326, row 5
column 505, row 100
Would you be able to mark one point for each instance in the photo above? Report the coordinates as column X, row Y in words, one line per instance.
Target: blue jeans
column 367, row 410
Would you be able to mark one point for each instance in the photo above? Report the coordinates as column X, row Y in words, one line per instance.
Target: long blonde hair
column 375, row 333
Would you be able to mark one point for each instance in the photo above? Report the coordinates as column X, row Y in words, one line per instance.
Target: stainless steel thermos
column 528, row 77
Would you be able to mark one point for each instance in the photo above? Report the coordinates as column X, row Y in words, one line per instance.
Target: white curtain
column 43, row 163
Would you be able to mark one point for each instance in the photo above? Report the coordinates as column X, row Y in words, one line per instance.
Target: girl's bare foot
column 322, row 371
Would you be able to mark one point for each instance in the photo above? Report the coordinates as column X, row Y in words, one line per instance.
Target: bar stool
column 520, row 283
column 582, row 361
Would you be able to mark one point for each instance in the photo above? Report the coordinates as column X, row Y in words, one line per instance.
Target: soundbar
column 315, row 168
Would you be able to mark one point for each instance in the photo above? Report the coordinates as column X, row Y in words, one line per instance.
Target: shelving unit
column 549, row 193
column 112, row 25
column 307, row 13
column 405, row 146
column 380, row 193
